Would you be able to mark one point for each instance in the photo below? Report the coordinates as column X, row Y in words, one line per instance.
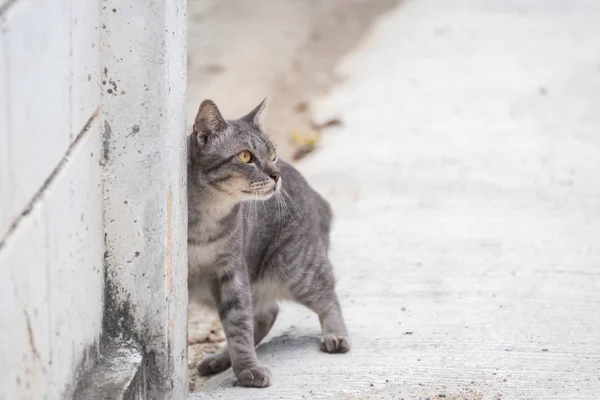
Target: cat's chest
column 208, row 243
column 202, row 256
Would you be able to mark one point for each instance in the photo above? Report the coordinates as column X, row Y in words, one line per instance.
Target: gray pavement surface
column 466, row 183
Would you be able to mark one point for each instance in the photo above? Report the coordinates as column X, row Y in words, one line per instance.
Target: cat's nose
column 275, row 176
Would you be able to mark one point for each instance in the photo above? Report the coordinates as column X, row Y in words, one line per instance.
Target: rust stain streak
column 30, row 334
column 169, row 258
column 169, row 240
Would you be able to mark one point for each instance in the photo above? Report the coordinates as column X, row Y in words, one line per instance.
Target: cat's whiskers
column 255, row 209
column 292, row 200
column 286, row 210
column 286, row 194
column 279, row 219
column 264, row 207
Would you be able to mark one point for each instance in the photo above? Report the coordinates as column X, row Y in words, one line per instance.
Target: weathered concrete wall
column 51, row 238
column 145, row 214
column 92, row 199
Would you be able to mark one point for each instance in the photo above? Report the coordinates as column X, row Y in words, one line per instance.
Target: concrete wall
column 51, row 251
column 92, row 195
column 145, row 165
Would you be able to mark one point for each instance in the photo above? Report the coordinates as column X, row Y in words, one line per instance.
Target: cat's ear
column 257, row 116
column 209, row 120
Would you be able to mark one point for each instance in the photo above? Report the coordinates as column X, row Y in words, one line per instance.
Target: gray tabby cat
column 257, row 233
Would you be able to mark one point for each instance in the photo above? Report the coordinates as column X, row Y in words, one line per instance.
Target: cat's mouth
column 261, row 192
column 264, row 190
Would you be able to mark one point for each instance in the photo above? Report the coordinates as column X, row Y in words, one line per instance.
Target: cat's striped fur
column 257, row 234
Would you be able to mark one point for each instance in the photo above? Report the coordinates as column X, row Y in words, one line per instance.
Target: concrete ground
column 466, row 185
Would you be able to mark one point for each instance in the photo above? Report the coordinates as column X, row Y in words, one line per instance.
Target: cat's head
column 235, row 158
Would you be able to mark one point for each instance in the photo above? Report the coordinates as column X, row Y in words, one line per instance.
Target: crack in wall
column 38, row 196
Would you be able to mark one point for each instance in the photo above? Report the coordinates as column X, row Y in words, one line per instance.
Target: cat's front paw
column 255, row 377
column 214, row 363
column 335, row 343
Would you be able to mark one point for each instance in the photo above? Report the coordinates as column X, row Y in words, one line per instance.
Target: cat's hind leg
column 335, row 337
column 316, row 290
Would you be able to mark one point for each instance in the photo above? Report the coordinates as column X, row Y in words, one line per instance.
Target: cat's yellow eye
column 245, row 156
column 273, row 155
